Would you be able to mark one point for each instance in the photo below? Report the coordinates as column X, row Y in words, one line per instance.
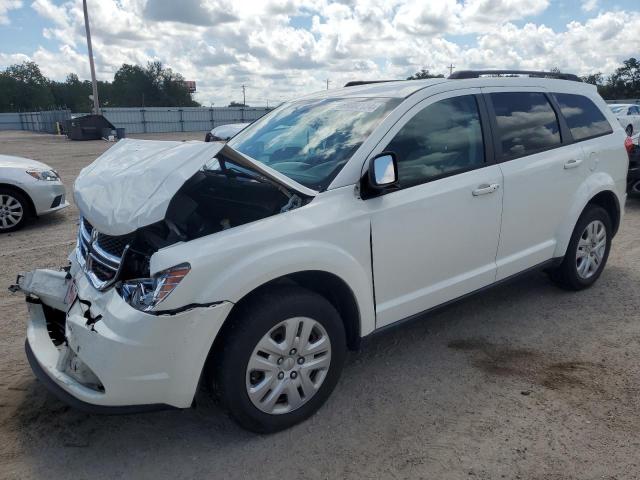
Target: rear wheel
column 13, row 210
column 280, row 359
column 587, row 252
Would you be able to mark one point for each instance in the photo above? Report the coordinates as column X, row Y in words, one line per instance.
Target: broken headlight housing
column 145, row 293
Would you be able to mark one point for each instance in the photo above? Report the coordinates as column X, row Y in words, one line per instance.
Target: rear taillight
column 628, row 144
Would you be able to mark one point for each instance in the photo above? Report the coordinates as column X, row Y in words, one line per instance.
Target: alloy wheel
column 591, row 249
column 288, row 365
column 11, row 211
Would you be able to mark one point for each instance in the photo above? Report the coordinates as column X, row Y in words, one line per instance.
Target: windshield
column 617, row 109
column 310, row 141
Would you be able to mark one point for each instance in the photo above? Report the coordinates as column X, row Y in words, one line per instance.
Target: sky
column 280, row 49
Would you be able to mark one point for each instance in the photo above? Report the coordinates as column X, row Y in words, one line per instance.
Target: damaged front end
column 116, row 240
column 97, row 334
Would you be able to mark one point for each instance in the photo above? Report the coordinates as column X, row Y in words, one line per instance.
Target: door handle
column 573, row 163
column 485, row 188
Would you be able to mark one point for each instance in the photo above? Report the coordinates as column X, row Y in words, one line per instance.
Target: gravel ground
column 523, row 381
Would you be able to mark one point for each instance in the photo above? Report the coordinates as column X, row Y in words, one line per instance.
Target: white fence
column 34, row 121
column 140, row 120
column 188, row 119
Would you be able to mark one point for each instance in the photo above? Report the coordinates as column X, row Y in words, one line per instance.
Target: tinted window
column 584, row 119
column 526, row 123
column 634, row 111
column 443, row 138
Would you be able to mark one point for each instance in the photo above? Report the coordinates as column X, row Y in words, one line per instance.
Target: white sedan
column 628, row 115
column 223, row 133
column 27, row 188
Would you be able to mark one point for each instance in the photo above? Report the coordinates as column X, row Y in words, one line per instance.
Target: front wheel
column 13, row 210
column 280, row 358
column 629, row 130
column 587, row 252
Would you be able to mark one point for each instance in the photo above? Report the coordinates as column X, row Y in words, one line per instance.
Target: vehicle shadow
column 402, row 383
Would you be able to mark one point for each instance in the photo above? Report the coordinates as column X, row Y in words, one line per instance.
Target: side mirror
column 383, row 171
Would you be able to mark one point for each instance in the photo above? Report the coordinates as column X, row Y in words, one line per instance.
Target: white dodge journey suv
column 251, row 267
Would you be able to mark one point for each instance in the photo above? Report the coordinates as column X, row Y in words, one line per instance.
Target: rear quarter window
column 583, row 118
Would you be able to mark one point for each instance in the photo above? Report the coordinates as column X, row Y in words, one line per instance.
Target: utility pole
column 328, row 82
column 451, row 67
column 244, row 98
column 96, row 101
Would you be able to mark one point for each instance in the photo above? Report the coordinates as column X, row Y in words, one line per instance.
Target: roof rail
column 462, row 74
column 355, row 83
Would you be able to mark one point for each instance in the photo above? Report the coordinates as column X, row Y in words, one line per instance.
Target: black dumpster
column 88, row 127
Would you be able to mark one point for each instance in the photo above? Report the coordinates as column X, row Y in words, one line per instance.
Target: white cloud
column 589, row 5
column 284, row 48
column 5, row 6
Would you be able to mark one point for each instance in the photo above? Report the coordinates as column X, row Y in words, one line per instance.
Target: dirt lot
column 524, row 381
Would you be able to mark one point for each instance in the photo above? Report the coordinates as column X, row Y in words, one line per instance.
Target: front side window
column 634, row 111
column 311, row 140
column 584, row 119
column 441, row 139
column 527, row 123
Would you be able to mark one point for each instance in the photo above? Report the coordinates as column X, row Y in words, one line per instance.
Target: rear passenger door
column 542, row 172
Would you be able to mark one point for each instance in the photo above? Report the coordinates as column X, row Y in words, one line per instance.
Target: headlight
column 45, row 175
column 145, row 293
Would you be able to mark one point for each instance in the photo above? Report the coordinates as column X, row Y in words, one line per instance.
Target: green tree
column 422, row 74
column 24, row 88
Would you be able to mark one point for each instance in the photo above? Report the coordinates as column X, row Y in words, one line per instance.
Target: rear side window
column 634, row 111
column 440, row 140
column 584, row 119
column 526, row 123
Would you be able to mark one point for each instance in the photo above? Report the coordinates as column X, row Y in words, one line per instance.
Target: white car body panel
column 225, row 132
column 42, row 193
column 399, row 253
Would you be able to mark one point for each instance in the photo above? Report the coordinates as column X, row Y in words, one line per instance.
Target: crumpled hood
column 131, row 184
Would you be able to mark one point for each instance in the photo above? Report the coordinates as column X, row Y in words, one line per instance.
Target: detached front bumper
column 101, row 355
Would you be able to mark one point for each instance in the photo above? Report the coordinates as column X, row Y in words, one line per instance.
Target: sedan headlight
column 45, row 175
column 145, row 293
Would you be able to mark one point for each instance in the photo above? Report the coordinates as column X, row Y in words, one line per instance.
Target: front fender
column 594, row 184
column 228, row 265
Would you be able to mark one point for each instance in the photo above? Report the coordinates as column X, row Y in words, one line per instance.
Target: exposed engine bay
column 223, row 193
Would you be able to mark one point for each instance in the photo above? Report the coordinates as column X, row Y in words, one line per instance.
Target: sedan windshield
column 310, row 141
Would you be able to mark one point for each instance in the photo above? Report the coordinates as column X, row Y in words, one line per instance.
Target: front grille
column 101, row 255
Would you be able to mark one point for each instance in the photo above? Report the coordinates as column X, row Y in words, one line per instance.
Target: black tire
column 566, row 275
column 227, row 369
column 629, row 130
column 24, row 209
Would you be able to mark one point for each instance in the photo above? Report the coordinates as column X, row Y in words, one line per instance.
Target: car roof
column 405, row 88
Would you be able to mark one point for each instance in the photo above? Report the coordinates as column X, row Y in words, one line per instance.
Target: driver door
column 436, row 237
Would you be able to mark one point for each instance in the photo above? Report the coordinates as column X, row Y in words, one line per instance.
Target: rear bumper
column 113, row 358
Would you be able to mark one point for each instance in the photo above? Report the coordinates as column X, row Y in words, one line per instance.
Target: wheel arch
column 599, row 190
column 328, row 285
column 30, row 206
